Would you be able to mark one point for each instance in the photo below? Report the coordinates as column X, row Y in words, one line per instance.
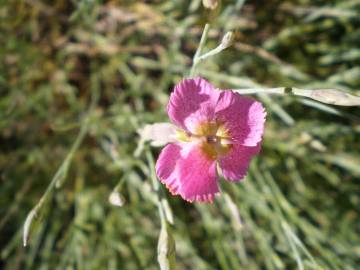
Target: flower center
column 214, row 139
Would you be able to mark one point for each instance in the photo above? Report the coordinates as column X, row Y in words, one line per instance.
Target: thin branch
column 61, row 173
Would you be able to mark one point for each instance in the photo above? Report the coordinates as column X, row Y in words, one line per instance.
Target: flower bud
column 227, row 39
column 335, row 97
column 210, row 4
column 116, row 199
column 166, row 249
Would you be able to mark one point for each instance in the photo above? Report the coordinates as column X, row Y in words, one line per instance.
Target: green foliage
column 299, row 205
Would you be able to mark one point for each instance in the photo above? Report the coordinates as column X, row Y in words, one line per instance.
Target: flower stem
column 199, row 49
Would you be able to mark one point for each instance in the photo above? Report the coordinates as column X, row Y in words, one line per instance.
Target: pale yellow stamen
column 213, row 137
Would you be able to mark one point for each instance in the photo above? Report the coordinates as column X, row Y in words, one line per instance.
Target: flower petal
column 243, row 116
column 165, row 167
column 192, row 97
column 235, row 164
column 158, row 134
column 197, row 176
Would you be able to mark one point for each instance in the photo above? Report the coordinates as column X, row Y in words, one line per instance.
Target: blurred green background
column 299, row 207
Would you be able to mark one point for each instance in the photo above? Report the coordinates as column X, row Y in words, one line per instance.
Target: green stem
column 61, row 173
column 199, row 49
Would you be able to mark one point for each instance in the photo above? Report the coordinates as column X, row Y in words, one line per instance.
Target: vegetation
column 79, row 78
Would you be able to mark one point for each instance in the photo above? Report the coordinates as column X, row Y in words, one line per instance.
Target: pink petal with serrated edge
column 192, row 98
column 197, row 176
column 243, row 116
column 234, row 165
column 165, row 167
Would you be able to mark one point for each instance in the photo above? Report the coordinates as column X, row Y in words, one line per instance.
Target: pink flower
column 213, row 127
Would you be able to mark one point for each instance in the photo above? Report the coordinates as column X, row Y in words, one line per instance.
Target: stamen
column 211, row 139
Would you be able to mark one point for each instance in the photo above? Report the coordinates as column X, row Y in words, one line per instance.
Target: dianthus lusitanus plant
column 214, row 134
